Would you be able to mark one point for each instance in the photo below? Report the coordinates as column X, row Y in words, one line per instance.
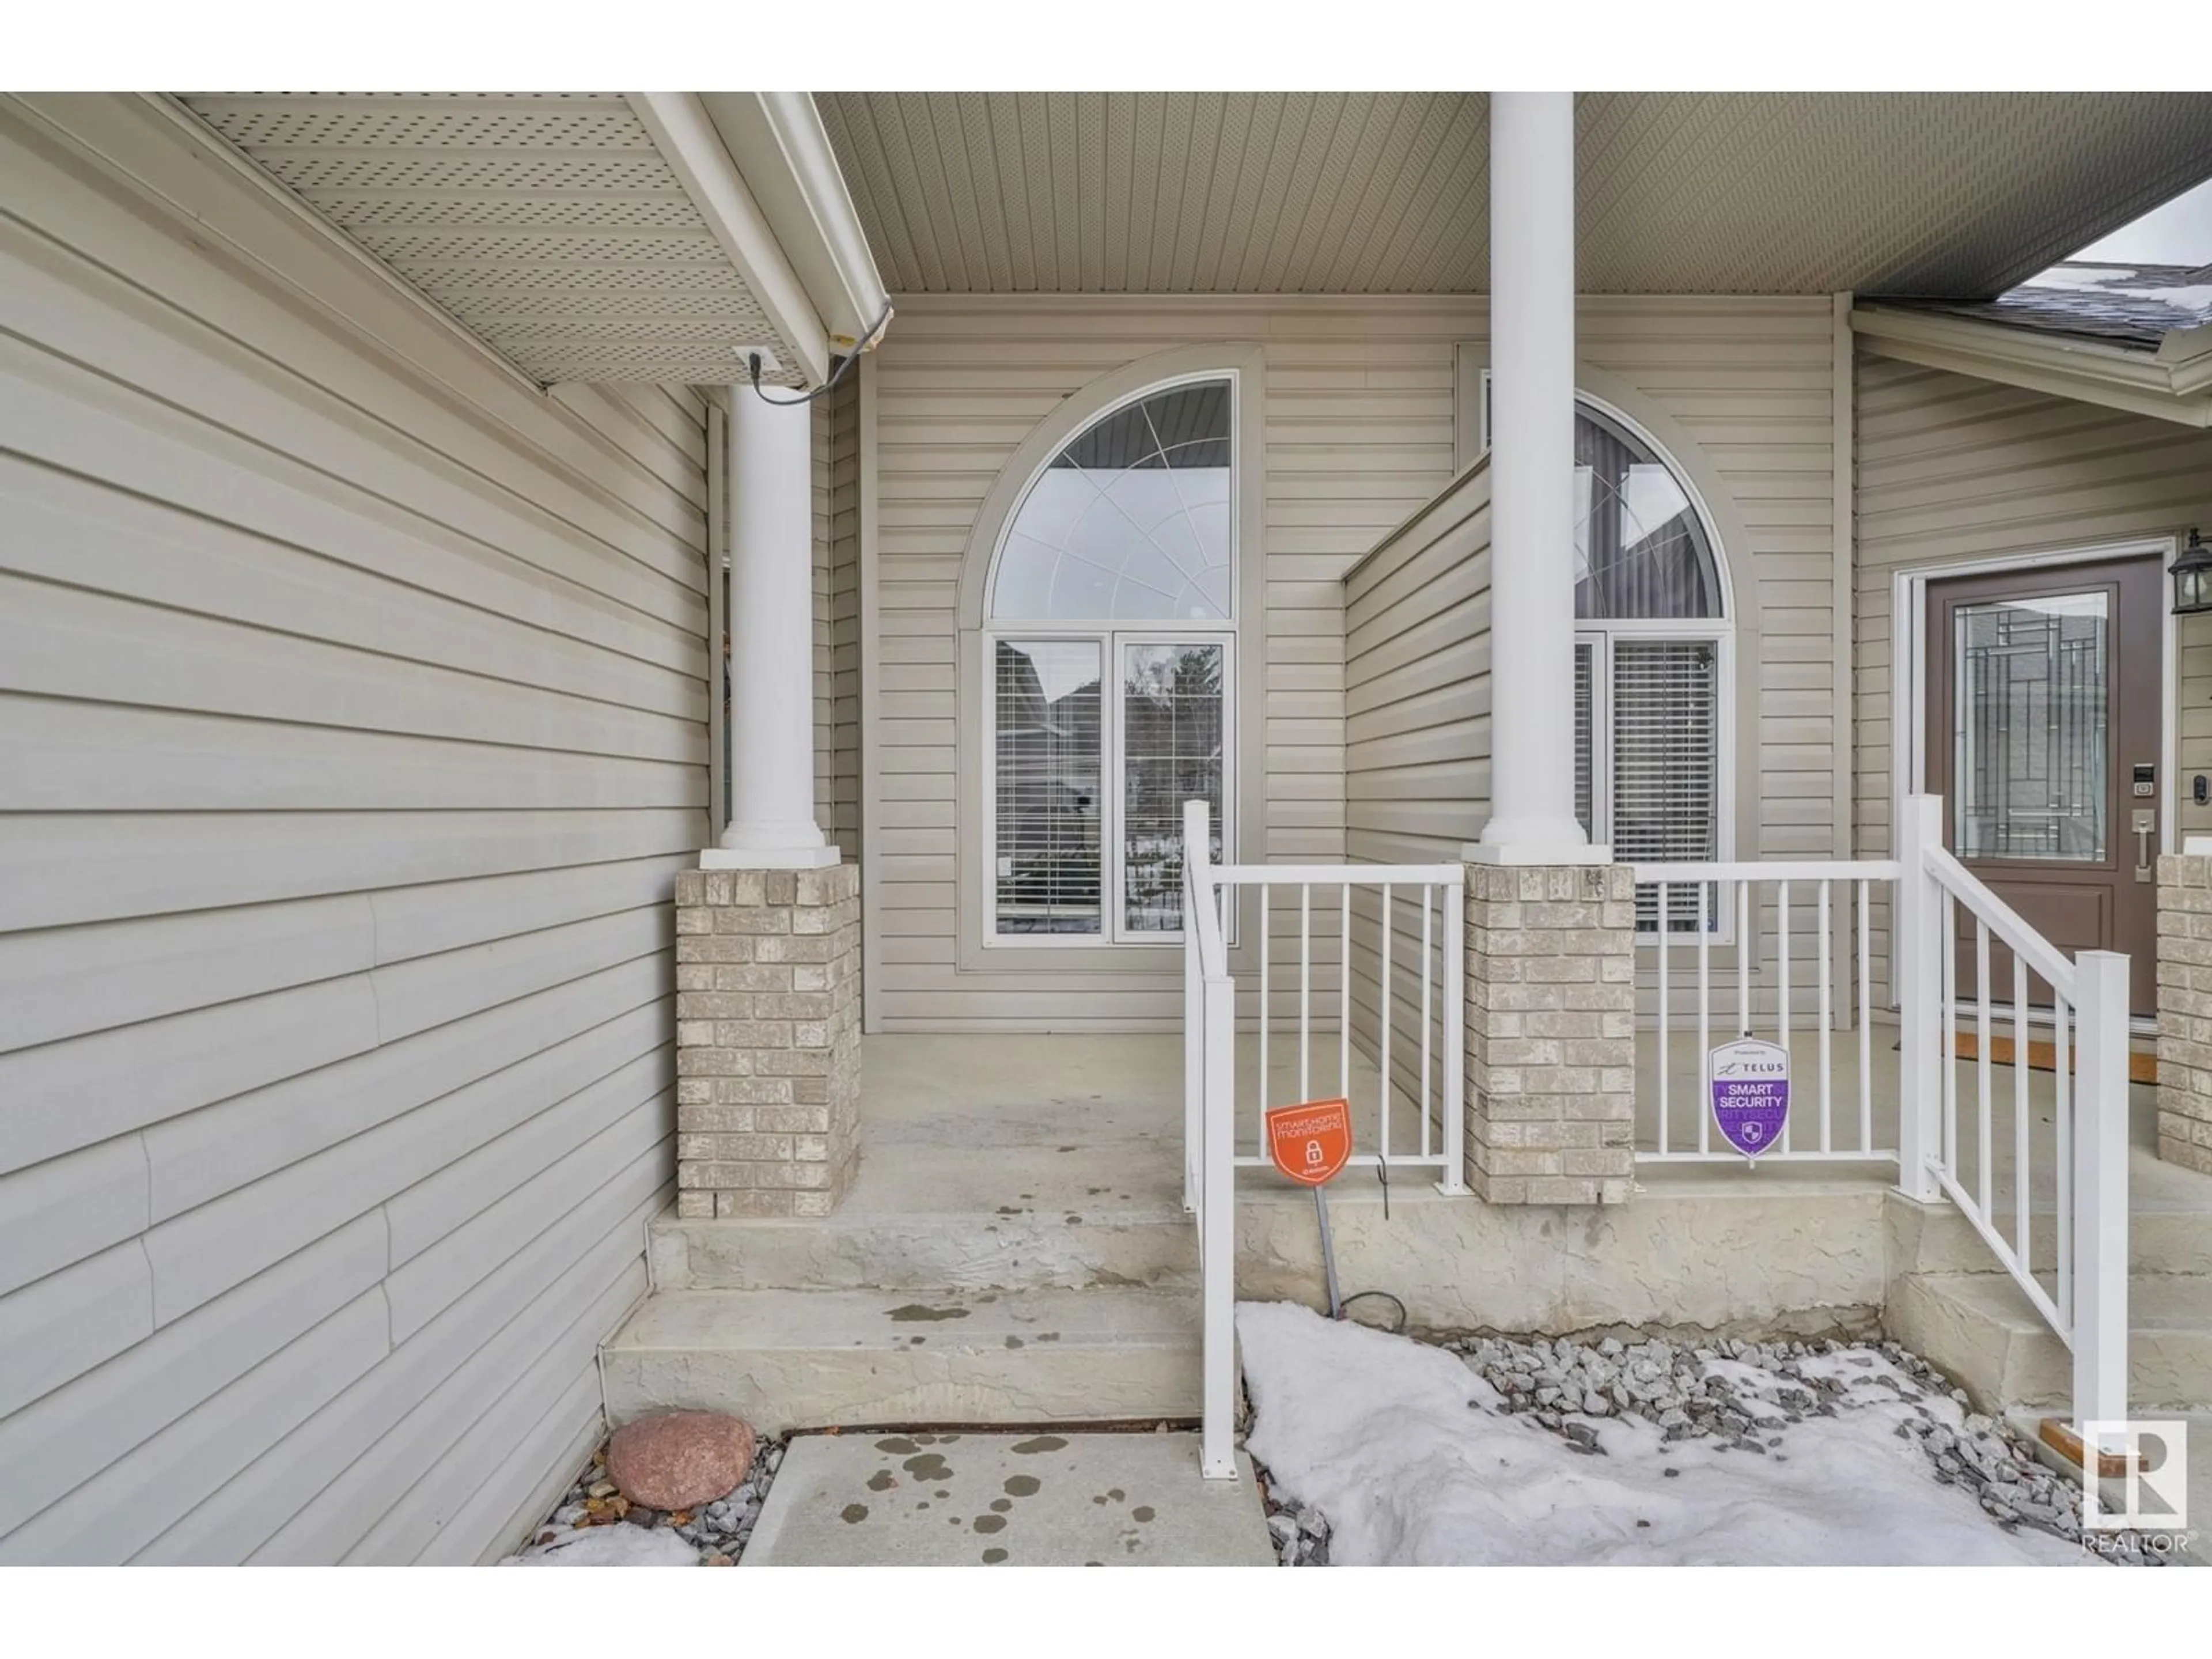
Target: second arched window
column 1110, row 637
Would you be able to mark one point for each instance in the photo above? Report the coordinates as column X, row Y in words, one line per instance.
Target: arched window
column 1652, row 659
column 1110, row 632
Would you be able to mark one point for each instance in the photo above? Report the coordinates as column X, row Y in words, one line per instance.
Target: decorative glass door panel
column 2043, row 737
column 2030, row 752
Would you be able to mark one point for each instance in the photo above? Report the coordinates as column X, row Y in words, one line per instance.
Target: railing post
column 1454, row 1181
column 1194, row 1050
column 1195, row 838
column 1217, row 1241
column 1917, row 950
column 2100, row 1190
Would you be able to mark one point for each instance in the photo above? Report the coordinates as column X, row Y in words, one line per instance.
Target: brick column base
column 1551, row 1033
column 768, row 1040
column 2184, row 1010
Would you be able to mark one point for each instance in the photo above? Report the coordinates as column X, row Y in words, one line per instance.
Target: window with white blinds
column 1651, row 664
column 1586, row 653
column 1666, row 759
column 1648, row 755
column 1047, row 754
column 1172, row 727
column 1111, row 631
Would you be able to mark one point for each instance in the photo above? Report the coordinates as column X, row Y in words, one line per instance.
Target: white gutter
column 686, row 136
column 2187, row 354
column 798, row 129
column 2173, row 383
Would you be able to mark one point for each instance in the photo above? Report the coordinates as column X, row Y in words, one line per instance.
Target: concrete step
column 1936, row 1238
column 1980, row 1329
column 787, row 1358
column 926, row 1215
column 1017, row 1246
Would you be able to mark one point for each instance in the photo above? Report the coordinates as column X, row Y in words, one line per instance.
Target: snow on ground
column 608, row 1546
column 1411, row 1459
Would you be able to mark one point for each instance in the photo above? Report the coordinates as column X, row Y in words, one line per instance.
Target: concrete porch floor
column 1059, row 1112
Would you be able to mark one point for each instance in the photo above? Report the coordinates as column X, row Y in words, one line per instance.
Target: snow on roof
column 2130, row 304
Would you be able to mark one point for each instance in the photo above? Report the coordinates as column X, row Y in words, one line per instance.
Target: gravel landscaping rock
column 713, row 1532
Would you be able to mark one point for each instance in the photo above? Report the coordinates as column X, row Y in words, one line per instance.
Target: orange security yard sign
column 1311, row 1143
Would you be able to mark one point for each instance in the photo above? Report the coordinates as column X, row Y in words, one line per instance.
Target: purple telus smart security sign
column 1751, row 1094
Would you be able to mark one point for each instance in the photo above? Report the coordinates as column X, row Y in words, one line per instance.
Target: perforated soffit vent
column 546, row 223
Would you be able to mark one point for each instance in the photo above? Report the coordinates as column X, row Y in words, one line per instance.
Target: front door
column 2042, row 739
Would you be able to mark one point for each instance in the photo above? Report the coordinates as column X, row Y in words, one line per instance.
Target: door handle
column 2145, row 826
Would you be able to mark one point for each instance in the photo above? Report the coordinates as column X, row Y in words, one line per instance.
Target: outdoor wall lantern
column 2192, row 578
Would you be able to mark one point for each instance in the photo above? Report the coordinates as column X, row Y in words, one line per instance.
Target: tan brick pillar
column 1550, row 1034
column 2184, row 1010
column 767, row 1039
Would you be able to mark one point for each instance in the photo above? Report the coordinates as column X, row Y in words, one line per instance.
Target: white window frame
column 1717, row 631
column 1719, row 634
column 1112, row 777
column 1111, row 636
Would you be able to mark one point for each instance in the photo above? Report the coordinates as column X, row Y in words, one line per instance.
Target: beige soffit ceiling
column 1954, row 194
column 550, row 225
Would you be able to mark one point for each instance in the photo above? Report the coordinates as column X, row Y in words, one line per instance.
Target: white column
column 1532, row 469
column 771, row 626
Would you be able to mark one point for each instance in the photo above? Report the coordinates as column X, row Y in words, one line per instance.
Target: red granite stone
column 679, row 1459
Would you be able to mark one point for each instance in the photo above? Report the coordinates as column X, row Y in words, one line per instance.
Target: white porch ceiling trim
column 2173, row 383
column 580, row 236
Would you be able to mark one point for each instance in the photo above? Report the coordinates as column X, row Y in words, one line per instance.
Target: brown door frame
column 1909, row 668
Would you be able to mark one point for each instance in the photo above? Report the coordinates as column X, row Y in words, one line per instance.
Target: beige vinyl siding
column 352, row 727
column 1417, row 683
column 1740, row 393
column 1359, row 433
column 1417, row 743
column 1953, row 468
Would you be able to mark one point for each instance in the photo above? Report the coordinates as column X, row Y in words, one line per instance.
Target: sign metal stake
column 1311, row 1143
column 1327, row 1252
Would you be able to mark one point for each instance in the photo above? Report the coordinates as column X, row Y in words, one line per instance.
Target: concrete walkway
column 1040, row 1500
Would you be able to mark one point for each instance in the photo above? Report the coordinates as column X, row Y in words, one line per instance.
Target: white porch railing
column 2086, row 1301
column 1947, row 1139
column 1420, row 1050
column 1818, row 901
column 1420, row 1073
column 1209, row 1175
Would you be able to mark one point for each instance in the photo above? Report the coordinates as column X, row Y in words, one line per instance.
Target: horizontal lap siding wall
column 1416, row 745
column 1951, row 468
column 352, row 727
column 1358, row 432
column 1360, row 425
column 1750, row 384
